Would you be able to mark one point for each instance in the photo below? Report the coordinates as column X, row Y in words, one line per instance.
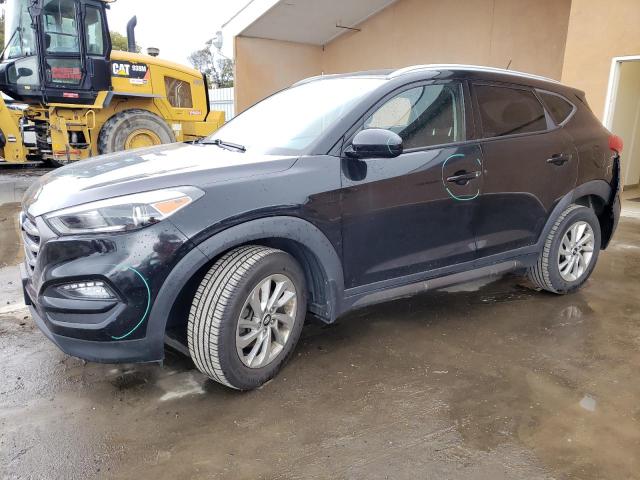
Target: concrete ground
column 489, row 380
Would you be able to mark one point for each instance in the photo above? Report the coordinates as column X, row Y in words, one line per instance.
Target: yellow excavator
column 78, row 98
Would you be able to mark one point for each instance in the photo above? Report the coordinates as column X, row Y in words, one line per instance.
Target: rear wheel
column 246, row 316
column 570, row 251
column 133, row 129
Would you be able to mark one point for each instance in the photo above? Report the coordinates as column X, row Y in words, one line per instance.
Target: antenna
column 509, row 64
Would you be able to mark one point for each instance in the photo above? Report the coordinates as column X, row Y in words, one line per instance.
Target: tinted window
column 60, row 28
column 422, row 116
column 94, row 31
column 508, row 111
column 558, row 107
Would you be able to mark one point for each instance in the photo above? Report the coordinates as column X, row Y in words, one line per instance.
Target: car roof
column 473, row 71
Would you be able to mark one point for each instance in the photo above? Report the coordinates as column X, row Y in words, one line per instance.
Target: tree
column 119, row 42
column 219, row 71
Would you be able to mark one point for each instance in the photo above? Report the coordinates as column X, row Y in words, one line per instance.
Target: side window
column 422, row 116
column 508, row 111
column 94, row 33
column 178, row 93
column 60, row 27
column 558, row 107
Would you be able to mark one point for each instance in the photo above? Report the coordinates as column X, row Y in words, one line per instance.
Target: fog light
column 94, row 290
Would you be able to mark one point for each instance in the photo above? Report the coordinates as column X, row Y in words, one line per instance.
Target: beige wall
column 598, row 31
column 266, row 66
column 530, row 33
column 626, row 119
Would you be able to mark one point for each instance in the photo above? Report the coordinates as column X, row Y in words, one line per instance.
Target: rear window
column 558, row 107
column 509, row 111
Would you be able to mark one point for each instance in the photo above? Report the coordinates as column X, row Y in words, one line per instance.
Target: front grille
column 31, row 239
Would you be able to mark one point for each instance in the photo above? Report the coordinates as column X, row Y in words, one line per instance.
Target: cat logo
column 130, row 70
column 120, row 69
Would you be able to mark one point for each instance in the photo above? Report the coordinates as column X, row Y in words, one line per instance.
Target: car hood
column 135, row 171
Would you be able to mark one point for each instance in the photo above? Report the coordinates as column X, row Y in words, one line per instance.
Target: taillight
column 615, row 143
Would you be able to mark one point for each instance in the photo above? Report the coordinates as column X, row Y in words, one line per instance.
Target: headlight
column 120, row 214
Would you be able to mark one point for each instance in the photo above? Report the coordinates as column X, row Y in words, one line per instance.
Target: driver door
column 75, row 49
column 412, row 214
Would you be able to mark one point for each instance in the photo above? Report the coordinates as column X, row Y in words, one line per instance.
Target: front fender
column 276, row 227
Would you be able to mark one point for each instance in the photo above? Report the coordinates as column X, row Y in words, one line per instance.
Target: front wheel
column 570, row 252
column 246, row 316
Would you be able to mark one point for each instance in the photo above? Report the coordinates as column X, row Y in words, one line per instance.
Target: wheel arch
column 301, row 239
column 595, row 194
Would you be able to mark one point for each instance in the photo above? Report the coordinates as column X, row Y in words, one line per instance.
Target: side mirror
column 24, row 72
column 375, row 143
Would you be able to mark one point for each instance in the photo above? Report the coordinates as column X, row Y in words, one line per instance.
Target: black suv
column 336, row 193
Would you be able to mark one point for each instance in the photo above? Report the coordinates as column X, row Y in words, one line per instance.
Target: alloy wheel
column 266, row 320
column 576, row 251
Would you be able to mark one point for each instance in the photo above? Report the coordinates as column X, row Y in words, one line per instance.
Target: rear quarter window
column 558, row 107
column 509, row 111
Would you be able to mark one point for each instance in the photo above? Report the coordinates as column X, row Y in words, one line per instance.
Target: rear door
column 529, row 164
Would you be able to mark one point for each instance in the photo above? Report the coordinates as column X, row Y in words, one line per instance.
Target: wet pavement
column 489, row 380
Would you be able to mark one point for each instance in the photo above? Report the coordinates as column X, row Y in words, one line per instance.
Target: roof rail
column 314, row 78
column 455, row 66
column 363, row 74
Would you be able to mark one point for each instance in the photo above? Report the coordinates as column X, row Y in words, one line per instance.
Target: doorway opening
column 622, row 114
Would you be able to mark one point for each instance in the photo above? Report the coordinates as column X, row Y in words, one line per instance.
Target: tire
column 214, row 328
column 133, row 129
column 546, row 273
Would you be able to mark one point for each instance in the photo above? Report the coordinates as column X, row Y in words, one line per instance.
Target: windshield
column 18, row 32
column 290, row 121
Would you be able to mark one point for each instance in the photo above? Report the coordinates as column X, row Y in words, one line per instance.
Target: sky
column 176, row 27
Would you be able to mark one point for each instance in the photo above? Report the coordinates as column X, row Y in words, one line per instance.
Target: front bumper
column 134, row 265
column 127, row 351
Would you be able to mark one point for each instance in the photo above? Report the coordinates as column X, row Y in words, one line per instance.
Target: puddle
column 588, row 403
column 181, row 385
column 130, row 379
column 517, row 293
column 472, row 286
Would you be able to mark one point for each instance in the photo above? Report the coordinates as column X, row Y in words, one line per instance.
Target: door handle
column 462, row 178
column 559, row 159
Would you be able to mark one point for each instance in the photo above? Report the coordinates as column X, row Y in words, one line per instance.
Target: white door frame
column 612, row 88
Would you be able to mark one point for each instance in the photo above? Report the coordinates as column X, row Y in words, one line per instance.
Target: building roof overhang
column 304, row 21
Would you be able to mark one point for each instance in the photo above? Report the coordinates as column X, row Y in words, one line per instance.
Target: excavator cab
column 58, row 51
column 83, row 98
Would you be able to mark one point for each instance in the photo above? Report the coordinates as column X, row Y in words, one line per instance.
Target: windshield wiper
column 226, row 145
